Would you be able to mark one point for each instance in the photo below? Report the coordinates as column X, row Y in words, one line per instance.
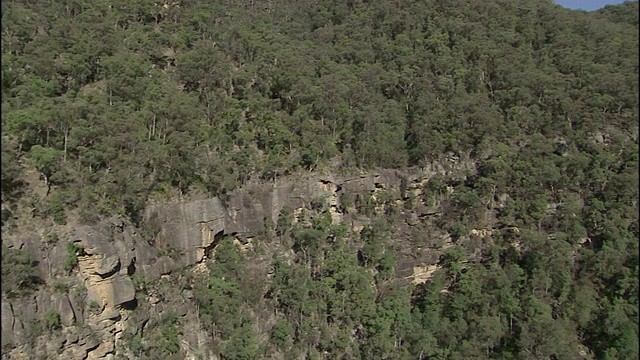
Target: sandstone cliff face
column 107, row 263
column 94, row 305
column 184, row 231
column 188, row 230
column 88, row 302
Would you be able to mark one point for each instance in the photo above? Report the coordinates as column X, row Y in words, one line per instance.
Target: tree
column 20, row 273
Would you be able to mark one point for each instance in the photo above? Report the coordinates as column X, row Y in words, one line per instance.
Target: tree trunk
column 206, row 94
column 153, row 128
column 66, row 138
column 510, row 324
column 164, row 133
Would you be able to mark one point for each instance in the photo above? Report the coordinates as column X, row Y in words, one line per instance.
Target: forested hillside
column 110, row 105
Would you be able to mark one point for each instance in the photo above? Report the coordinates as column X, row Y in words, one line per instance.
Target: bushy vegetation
column 117, row 102
column 113, row 103
column 20, row 274
column 52, row 320
column 71, row 261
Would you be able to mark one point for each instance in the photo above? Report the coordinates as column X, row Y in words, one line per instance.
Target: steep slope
column 292, row 179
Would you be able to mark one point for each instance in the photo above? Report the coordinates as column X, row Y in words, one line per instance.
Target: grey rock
column 55, row 344
column 85, row 334
column 122, row 290
column 108, row 265
column 91, row 343
column 63, row 306
column 7, row 323
column 181, row 311
column 55, row 259
column 24, row 311
column 110, row 314
column 76, row 302
column 72, row 338
column 187, row 227
column 93, row 241
column 162, row 266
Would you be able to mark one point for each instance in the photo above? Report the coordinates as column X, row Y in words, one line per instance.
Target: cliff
column 96, row 300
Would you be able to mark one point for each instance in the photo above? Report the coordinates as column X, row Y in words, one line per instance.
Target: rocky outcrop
column 8, row 321
column 107, row 261
column 62, row 306
column 100, row 290
column 183, row 233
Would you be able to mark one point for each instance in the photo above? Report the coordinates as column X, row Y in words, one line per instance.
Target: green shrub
column 52, row 320
column 94, row 307
column 170, row 334
column 458, row 230
column 318, row 203
column 140, row 282
column 52, row 237
column 73, row 251
column 33, row 330
column 281, row 333
column 285, row 219
column 20, row 274
column 346, row 200
column 60, row 287
column 133, row 343
column 410, row 202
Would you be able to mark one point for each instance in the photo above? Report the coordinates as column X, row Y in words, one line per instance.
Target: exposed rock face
column 7, row 323
column 185, row 231
column 423, row 273
column 188, row 229
column 109, row 292
column 182, row 234
column 109, row 250
column 102, row 276
column 63, row 307
column 105, row 348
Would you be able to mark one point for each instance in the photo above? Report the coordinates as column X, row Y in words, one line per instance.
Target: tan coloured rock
column 74, row 353
column 20, row 354
column 109, row 314
column 109, row 292
column 481, row 232
column 105, row 348
column 422, row 274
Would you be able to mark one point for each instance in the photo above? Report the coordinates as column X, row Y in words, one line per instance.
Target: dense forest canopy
column 112, row 104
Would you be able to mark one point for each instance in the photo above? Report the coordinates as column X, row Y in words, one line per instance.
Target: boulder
column 54, row 345
column 109, row 292
column 72, row 338
column 110, row 314
column 92, row 342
